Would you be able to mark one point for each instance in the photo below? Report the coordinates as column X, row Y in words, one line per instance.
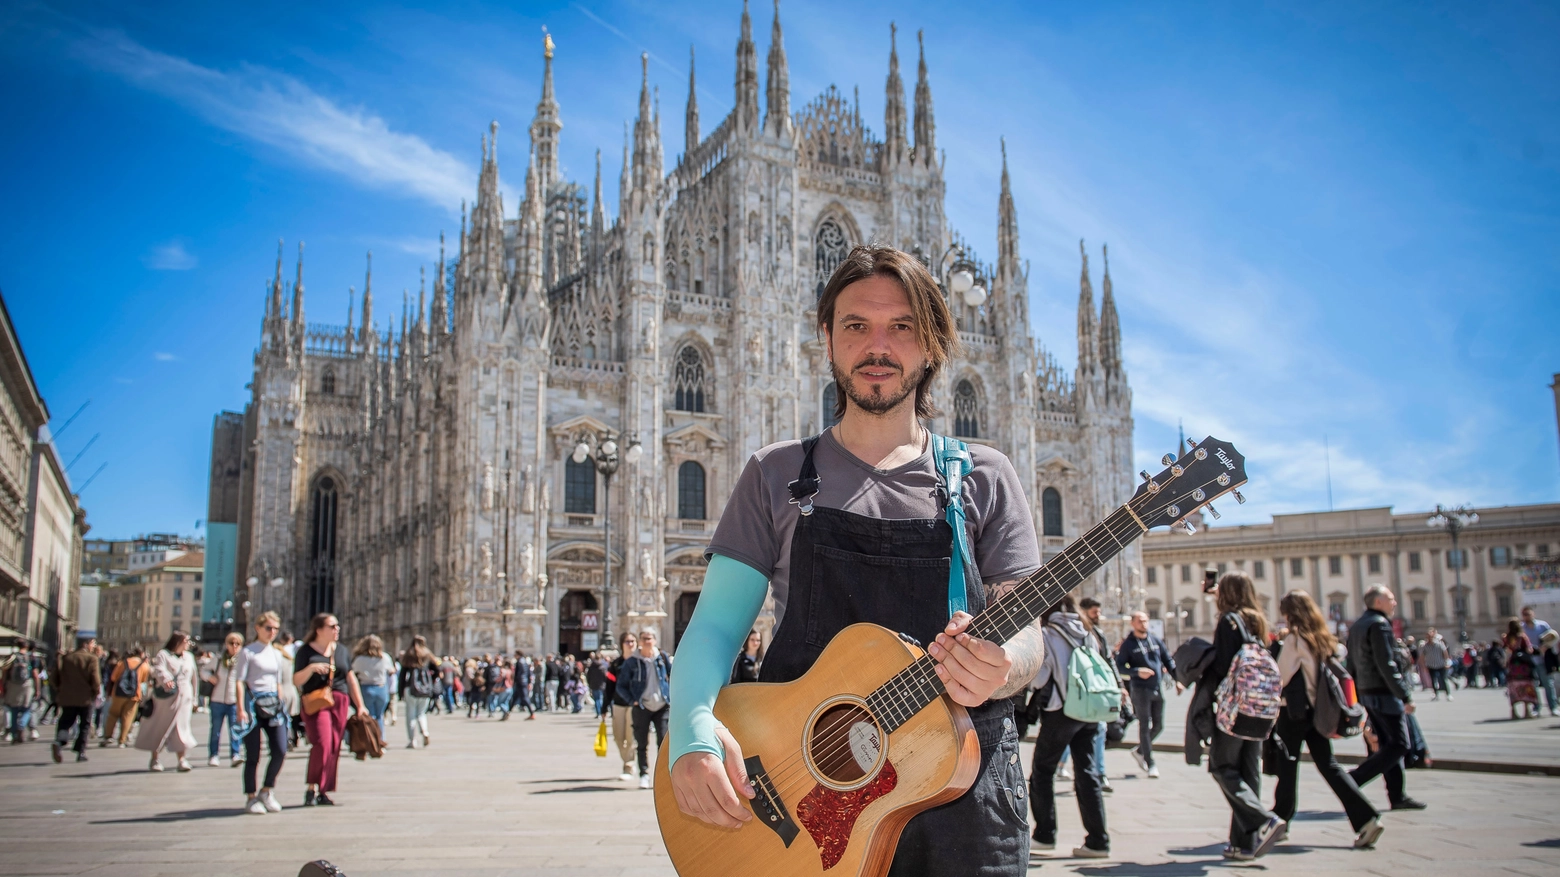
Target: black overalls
column 848, row 568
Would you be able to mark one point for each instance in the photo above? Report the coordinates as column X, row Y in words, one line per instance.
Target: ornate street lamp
column 957, row 274
column 1453, row 520
column 604, row 455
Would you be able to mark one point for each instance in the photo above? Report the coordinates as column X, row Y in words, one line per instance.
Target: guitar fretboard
column 917, row 685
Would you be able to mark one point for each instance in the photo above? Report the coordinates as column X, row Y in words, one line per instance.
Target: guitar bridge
column 766, row 804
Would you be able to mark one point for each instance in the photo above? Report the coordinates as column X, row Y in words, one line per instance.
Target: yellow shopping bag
column 601, row 740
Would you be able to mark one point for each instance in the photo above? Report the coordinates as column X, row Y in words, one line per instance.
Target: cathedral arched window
column 830, row 405
column 690, row 491
column 328, row 382
column 1051, row 512
column 321, row 571
column 579, row 487
column 966, row 410
column 829, row 249
column 698, row 271
column 689, row 380
column 671, row 275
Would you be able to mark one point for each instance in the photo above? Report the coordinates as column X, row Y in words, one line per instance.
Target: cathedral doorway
column 686, row 601
column 572, row 607
column 321, row 571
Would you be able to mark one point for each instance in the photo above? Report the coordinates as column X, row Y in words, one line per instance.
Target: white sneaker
column 155, row 766
column 213, row 761
column 626, row 777
column 184, row 766
column 1064, row 772
column 1141, row 761
column 644, row 781
column 255, row 805
column 1153, row 771
column 238, row 759
column 269, row 800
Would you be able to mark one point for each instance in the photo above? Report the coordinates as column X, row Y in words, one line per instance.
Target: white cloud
column 282, row 112
column 164, row 356
column 171, row 256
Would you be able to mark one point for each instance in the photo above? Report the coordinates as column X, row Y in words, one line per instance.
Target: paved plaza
column 530, row 798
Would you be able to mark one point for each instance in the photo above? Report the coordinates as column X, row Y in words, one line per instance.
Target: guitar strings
column 833, row 745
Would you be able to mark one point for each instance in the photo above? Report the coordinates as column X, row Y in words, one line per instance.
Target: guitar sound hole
column 846, row 744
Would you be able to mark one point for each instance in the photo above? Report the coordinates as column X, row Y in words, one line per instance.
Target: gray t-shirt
column 759, row 519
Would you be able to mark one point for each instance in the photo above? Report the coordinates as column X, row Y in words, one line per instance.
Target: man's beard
column 875, row 401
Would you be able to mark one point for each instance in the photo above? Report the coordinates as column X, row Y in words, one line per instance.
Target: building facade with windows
column 145, row 607
column 1337, row 555
column 422, row 482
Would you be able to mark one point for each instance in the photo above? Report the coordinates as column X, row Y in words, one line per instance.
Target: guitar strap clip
column 806, row 485
column 953, row 464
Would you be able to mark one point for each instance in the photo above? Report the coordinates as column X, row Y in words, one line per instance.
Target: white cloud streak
column 164, row 356
column 279, row 111
column 171, row 256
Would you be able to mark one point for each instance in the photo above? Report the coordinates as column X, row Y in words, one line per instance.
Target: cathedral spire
column 439, row 315
column 778, row 110
column 297, row 314
column 1086, row 325
column 925, row 128
column 625, row 177
column 368, row 332
column 1007, row 224
column 422, row 299
column 647, row 137
column 691, row 124
column 274, row 309
column 747, row 75
column 546, row 125
column 1110, row 325
column 894, row 106
column 598, row 210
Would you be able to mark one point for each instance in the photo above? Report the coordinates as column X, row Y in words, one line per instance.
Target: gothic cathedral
column 424, row 481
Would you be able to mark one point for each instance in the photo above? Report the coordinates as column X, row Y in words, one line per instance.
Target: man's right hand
column 1408, row 708
column 1145, row 673
column 706, row 789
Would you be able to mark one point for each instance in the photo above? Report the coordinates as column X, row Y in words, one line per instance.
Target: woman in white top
column 219, row 675
column 1301, row 655
column 173, row 699
column 374, row 669
column 258, row 674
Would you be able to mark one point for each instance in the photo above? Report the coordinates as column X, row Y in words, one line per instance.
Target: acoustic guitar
column 843, row 757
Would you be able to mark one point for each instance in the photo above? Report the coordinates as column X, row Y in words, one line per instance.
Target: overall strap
column 805, row 487
column 953, row 464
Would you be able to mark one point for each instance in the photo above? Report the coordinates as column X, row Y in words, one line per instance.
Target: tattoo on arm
column 1027, row 647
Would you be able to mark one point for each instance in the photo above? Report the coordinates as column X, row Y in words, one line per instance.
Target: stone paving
column 530, row 798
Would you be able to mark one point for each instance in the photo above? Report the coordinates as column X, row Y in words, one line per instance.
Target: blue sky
column 1329, row 222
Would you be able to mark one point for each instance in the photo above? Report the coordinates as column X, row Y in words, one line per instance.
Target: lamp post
column 957, row 274
column 1453, row 520
column 604, row 455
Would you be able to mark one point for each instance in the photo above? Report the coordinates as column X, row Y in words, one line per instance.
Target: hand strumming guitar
column 706, row 789
column 972, row 669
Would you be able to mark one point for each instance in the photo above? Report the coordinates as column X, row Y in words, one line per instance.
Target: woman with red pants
column 317, row 665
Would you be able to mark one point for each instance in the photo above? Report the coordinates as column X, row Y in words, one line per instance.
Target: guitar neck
column 916, row 686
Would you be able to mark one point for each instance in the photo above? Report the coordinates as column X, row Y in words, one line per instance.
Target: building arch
column 1051, row 512
column 328, row 381
column 327, row 490
column 691, row 479
column 693, row 376
column 579, row 486
column 832, row 238
column 969, row 409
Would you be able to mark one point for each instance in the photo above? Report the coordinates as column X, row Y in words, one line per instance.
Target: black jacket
column 1150, row 652
column 1373, row 659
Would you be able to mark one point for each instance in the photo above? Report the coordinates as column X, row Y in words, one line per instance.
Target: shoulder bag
column 322, row 697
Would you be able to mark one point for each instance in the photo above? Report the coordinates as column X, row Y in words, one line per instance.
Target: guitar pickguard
column 830, row 816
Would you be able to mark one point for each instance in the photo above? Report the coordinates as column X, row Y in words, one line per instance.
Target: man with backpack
column 1145, row 659
column 1078, row 690
column 125, row 683
column 1383, row 691
column 78, row 683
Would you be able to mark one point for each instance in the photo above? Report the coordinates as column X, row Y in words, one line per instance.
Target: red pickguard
column 830, row 816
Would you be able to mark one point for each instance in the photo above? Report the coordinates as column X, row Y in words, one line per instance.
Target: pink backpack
column 1246, row 702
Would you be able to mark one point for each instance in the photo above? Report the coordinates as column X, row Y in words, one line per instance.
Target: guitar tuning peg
column 1167, row 459
column 1144, row 475
column 1212, row 511
column 1190, row 443
column 1189, row 527
column 1238, row 498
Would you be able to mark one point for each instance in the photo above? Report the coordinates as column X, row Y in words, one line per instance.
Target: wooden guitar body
column 835, row 790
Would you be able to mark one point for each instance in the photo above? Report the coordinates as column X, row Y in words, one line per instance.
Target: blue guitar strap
column 953, row 464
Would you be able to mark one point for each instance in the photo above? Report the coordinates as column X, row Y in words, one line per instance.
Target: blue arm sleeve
column 733, row 594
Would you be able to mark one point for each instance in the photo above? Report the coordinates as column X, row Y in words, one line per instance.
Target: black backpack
column 1333, row 715
column 129, row 684
column 421, row 682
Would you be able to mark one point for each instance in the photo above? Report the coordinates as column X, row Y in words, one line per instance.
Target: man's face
column 1527, row 614
column 647, row 643
column 873, row 351
column 1139, row 623
column 1093, row 614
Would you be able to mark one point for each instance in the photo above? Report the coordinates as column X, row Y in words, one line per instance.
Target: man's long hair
column 934, row 326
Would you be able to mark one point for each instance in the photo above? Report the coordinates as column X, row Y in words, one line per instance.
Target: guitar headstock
column 1206, row 472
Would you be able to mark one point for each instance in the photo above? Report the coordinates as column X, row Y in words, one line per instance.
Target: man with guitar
column 856, row 525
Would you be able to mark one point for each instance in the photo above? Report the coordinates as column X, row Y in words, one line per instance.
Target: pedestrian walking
column 645, row 682
column 449, row 683
column 416, row 684
column 223, row 700
column 204, row 662
column 326, row 686
column 21, row 689
column 550, row 682
column 126, row 685
column 1382, row 683
column 1235, row 762
column 1521, row 671
column 173, row 699
column 374, row 669
column 79, row 684
column 1060, row 731
column 1436, row 657
column 1495, row 665
column 1537, row 632
column 596, row 679
column 520, row 691
column 288, row 645
column 745, row 669
column 1144, row 660
column 257, row 675
column 621, row 707
column 1307, row 644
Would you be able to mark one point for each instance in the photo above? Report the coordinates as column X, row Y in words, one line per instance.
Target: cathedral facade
column 425, row 480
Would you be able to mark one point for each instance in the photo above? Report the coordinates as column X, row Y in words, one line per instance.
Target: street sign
column 590, row 621
column 590, row 641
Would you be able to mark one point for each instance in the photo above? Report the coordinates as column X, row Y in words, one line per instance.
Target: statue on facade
column 527, row 491
column 755, row 347
column 487, row 487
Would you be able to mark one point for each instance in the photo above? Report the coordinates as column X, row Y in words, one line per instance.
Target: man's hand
column 1145, row 673
column 707, row 790
column 243, row 717
column 1179, row 688
column 971, row 669
column 1408, row 708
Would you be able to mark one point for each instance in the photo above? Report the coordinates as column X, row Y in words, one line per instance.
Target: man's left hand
column 971, row 669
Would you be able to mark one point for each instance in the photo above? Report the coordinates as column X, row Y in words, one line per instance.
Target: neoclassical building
column 423, row 481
